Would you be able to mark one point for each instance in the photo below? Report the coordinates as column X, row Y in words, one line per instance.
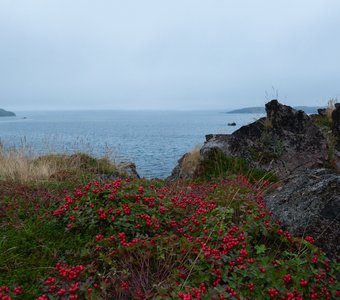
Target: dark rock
column 187, row 165
column 337, row 160
column 178, row 172
column 308, row 203
column 232, row 124
column 322, row 112
column 283, row 142
column 288, row 143
column 336, row 125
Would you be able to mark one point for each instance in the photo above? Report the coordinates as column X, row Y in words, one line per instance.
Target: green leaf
column 260, row 249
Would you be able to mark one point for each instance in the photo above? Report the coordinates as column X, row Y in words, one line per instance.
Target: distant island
column 248, row 110
column 5, row 113
column 261, row 110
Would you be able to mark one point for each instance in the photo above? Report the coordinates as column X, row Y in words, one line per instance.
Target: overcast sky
column 162, row 54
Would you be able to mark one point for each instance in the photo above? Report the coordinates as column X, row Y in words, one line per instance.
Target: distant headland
column 261, row 110
column 5, row 113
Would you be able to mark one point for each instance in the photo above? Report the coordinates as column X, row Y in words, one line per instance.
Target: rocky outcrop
column 187, row 165
column 129, row 169
column 288, row 143
column 283, row 142
column 308, row 203
column 124, row 170
column 179, row 171
column 5, row 113
column 336, row 125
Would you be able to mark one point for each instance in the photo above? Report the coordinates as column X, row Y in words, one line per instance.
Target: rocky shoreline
column 291, row 145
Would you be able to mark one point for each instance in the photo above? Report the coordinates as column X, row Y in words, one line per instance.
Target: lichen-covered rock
column 308, row 203
column 283, row 142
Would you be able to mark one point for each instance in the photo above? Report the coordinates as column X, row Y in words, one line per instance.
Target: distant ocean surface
column 153, row 140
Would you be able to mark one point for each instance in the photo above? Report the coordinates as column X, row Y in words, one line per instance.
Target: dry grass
column 20, row 165
column 16, row 165
column 191, row 162
column 330, row 107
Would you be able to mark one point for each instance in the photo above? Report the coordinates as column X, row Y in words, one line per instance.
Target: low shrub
column 147, row 240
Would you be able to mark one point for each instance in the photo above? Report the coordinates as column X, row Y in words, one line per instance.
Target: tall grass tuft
column 18, row 165
column 21, row 165
column 190, row 162
column 330, row 107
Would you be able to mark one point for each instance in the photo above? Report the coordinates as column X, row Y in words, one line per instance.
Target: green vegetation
column 268, row 149
column 74, row 237
column 325, row 123
column 217, row 165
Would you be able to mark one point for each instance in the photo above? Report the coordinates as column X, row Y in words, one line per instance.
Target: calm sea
column 154, row 140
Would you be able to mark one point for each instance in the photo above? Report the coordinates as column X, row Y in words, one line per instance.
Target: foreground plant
column 146, row 240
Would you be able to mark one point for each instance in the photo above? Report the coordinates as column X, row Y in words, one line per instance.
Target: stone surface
column 178, row 172
column 337, row 160
column 336, row 125
column 288, row 143
column 187, row 165
column 308, row 203
column 128, row 168
column 283, row 142
column 124, row 170
column 322, row 112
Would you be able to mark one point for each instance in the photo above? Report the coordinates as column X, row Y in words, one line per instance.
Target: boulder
column 308, row 203
column 128, row 169
column 124, row 170
column 283, row 142
column 322, row 112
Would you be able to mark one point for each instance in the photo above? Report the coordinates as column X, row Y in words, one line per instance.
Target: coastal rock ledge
column 287, row 143
column 308, row 203
column 283, row 142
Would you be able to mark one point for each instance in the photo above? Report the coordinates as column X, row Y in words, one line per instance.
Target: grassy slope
column 151, row 239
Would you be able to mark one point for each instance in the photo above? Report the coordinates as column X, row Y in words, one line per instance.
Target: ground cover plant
column 150, row 239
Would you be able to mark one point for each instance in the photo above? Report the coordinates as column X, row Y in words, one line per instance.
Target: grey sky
column 159, row 54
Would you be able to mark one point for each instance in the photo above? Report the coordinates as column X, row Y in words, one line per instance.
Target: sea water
column 153, row 140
